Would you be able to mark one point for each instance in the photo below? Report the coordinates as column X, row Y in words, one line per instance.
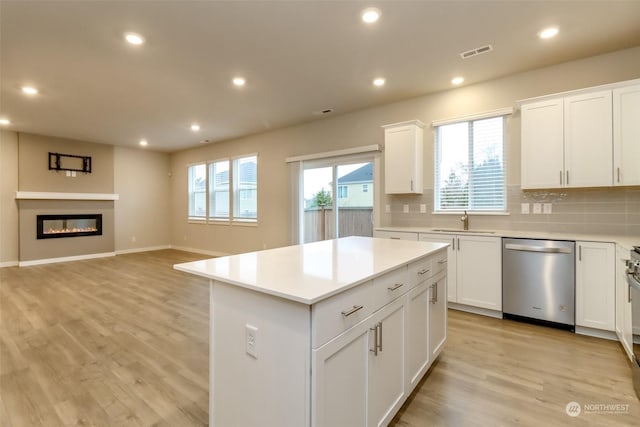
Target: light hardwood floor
column 123, row 341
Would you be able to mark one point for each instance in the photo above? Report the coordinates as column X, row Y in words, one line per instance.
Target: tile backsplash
column 612, row 211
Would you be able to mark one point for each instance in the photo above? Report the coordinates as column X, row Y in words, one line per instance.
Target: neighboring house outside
column 247, row 191
column 355, row 189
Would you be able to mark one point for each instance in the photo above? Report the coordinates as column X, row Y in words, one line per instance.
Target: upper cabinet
column 403, row 157
column 585, row 139
column 626, row 135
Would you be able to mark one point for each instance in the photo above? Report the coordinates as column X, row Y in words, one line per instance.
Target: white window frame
column 210, row 183
column 504, row 113
column 191, row 215
column 236, row 196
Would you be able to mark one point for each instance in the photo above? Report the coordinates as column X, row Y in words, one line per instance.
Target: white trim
column 475, row 310
column 471, row 213
column 65, row 259
column 8, row 264
column 199, row 251
column 487, row 114
column 608, row 86
column 597, row 333
column 41, row 195
column 336, row 153
column 408, row 122
column 145, row 249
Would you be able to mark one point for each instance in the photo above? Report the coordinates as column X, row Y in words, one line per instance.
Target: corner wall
column 9, row 252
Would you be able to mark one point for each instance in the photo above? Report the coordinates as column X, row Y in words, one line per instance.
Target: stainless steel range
column 633, row 280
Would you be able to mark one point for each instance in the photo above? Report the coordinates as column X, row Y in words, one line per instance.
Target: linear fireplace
column 68, row 225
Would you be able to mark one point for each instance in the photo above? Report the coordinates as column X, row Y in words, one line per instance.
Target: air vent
column 476, row 51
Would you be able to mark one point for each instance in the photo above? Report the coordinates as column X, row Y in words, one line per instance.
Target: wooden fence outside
column 351, row 222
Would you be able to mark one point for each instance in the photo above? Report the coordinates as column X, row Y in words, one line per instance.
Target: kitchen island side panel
column 272, row 389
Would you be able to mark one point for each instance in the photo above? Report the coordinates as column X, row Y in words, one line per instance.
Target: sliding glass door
column 337, row 199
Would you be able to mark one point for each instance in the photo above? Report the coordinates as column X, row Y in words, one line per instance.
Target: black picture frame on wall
column 69, row 162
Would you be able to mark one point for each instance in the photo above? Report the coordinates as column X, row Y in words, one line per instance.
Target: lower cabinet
column 364, row 375
column 624, row 328
column 595, row 285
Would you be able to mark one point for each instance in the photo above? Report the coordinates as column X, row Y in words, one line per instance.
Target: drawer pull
column 396, row 286
column 442, row 261
column 423, row 271
column 353, row 310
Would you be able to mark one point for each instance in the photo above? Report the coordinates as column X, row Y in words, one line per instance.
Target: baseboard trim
column 8, row 264
column 65, row 259
column 475, row 310
column 145, row 249
column 597, row 333
column 199, row 251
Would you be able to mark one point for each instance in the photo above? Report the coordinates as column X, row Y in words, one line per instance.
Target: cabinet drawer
column 420, row 270
column 390, row 286
column 331, row 317
column 439, row 262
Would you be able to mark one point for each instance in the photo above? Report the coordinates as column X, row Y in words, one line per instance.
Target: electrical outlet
column 251, row 340
column 546, row 208
column 423, row 208
column 68, row 173
column 537, row 208
column 405, row 208
column 524, row 208
column 73, row 174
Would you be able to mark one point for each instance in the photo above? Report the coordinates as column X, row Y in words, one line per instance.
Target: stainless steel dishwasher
column 538, row 281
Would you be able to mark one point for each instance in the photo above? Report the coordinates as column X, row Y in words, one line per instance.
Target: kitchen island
column 330, row 333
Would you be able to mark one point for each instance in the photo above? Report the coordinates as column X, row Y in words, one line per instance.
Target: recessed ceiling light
column 143, row 142
column 370, row 15
column 239, row 81
column 457, row 80
column 29, row 90
column 548, row 33
column 5, row 122
column 134, row 38
column 379, row 81
column 195, row 127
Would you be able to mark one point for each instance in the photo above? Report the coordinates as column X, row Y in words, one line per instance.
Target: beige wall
column 363, row 128
column 34, row 173
column 8, row 204
column 142, row 212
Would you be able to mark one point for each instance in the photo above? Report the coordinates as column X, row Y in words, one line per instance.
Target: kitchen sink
column 457, row 231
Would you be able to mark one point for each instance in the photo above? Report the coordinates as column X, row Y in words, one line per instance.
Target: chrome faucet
column 465, row 220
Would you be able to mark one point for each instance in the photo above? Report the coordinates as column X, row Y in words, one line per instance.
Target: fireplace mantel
column 39, row 195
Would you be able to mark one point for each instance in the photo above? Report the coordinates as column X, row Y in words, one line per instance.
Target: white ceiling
column 299, row 57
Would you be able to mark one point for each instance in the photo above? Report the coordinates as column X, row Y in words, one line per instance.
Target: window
column 219, row 189
column 343, row 192
column 245, row 188
column 227, row 183
column 197, row 191
column 470, row 166
column 365, row 188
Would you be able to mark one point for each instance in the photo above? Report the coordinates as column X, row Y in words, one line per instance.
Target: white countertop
column 312, row 272
column 627, row 242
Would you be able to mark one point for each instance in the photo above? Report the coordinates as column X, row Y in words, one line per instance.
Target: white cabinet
column 626, row 135
column 437, row 316
column 624, row 329
column 418, row 300
column 403, row 157
column 542, row 144
column 588, row 140
column 595, row 285
column 474, row 269
column 567, row 141
column 397, row 235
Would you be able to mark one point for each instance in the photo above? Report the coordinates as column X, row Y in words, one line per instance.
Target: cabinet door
column 403, row 157
column 437, row 316
column 418, row 332
column 480, row 271
column 542, row 144
column 339, row 380
column 452, row 295
column 595, row 285
column 588, row 140
column 396, row 235
column 626, row 135
column 623, row 303
column 386, row 368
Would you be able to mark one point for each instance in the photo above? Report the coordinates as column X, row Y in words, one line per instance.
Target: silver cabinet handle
column 453, row 242
column 458, row 243
column 396, row 286
column 560, row 177
column 435, row 288
column 567, row 177
column 423, row 271
column 579, row 252
column 375, row 340
column 618, row 174
column 629, row 293
column 380, row 339
column 355, row 308
column 442, row 261
column 394, row 238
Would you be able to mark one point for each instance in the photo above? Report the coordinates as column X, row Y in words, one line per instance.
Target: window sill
column 245, row 222
column 197, row 220
column 471, row 213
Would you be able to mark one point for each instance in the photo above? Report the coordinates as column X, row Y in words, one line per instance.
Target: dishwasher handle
column 528, row 248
